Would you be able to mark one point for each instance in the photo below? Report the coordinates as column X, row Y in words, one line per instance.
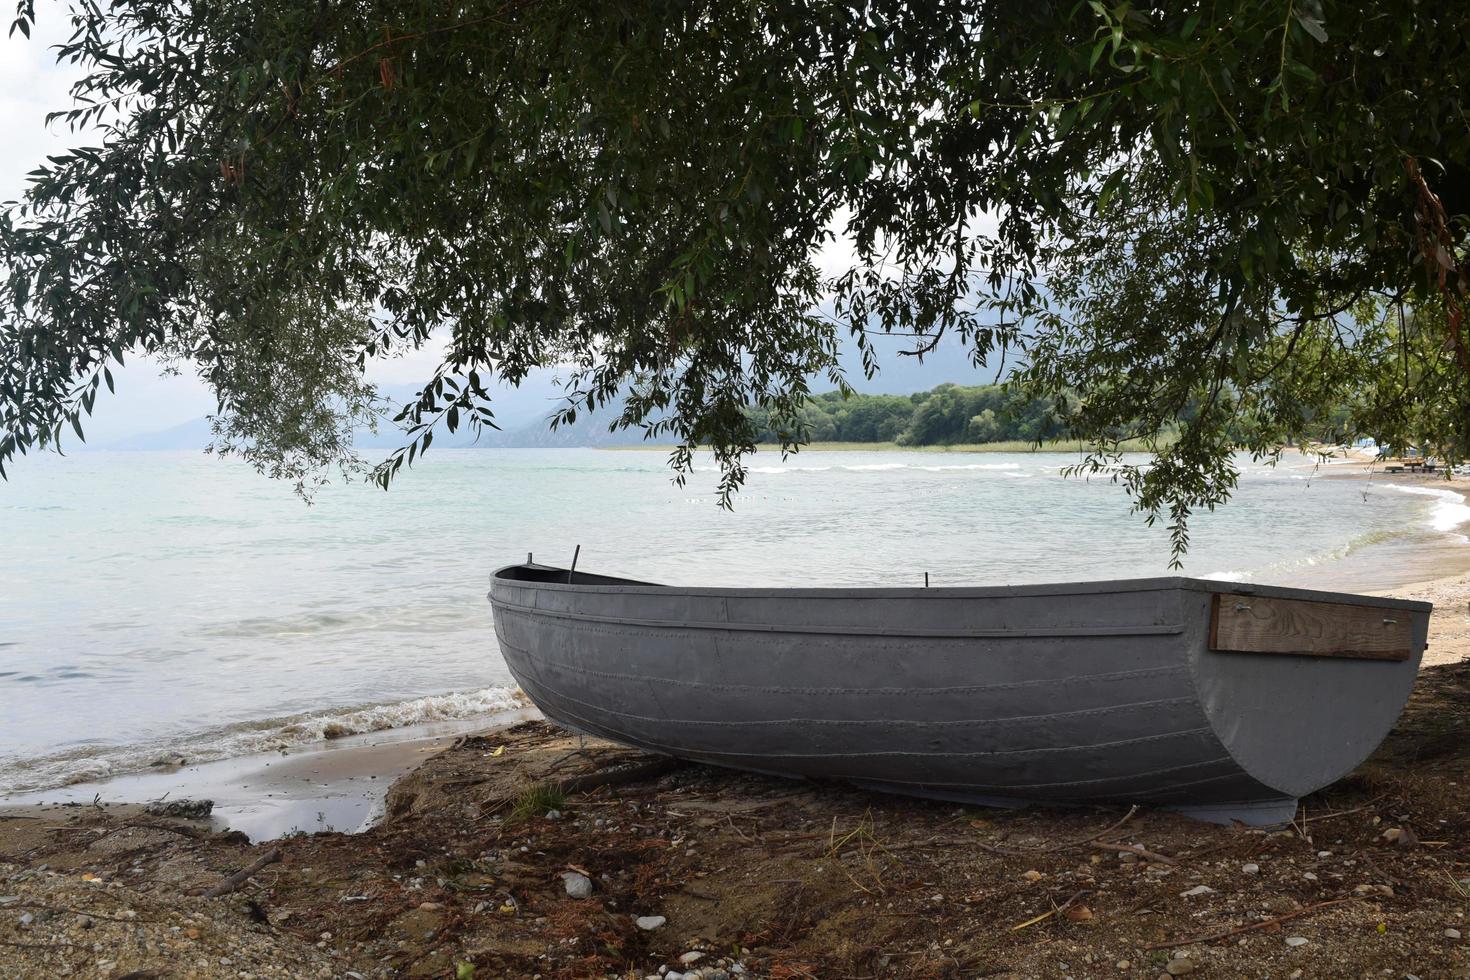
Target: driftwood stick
column 1226, row 934
column 87, row 912
column 7, row 942
column 1343, row 813
column 239, row 878
column 1135, row 849
column 1064, row 845
column 616, row 777
column 1055, row 909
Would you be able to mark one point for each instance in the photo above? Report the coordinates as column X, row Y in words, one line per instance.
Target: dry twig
column 1228, row 933
column 1135, row 849
column 1055, row 909
column 239, row 878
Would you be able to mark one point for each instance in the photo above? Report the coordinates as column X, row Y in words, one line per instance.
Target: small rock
column 1197, row 890
column 1309, row 876
column 1124, row 965
column 648, row 923
column 424, row 907
column 1452, row 933
column 553, row 814
column 578, row 885
column 1032, row 875
column 1324, row 854
column 691, row 957
column 1295, row 941
column 1179, row 966
column 1251, row 869
column 1079, row 913
column 26, row 919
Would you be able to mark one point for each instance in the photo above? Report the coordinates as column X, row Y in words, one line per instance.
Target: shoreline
column 335, row 785
column 526, row 852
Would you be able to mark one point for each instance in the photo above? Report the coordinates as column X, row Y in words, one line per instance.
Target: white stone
column 578, row 885
column 648, row 923
column 691, row 957
column 1295, row 941
column 1452, row 933
column 1251, row 869
column 1197, row 890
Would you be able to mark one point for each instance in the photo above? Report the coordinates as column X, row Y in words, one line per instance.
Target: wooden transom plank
column 1258, row 624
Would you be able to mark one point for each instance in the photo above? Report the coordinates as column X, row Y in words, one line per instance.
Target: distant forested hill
column 948, row 415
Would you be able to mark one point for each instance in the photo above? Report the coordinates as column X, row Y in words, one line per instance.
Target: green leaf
column 1311, row 25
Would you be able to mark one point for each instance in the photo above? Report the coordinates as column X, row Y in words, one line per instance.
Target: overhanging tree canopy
column 1238, row 214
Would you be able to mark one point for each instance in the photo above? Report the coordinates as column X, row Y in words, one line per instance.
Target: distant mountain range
column 522, row 412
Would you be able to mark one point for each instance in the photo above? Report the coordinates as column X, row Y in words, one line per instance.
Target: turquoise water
column 157, row 603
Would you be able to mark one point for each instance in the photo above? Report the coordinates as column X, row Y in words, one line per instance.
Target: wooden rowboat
column 1222, row 700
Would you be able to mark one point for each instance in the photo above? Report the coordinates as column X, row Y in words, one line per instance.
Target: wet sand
column 331, row 786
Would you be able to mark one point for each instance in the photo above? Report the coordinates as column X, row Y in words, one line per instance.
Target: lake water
column 155, row 604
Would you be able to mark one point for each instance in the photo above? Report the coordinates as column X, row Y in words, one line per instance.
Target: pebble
column 1179, row 966
column 1251, row 869
column 691, row 957
column 1310, row 876
column 1452, row 933
column 1197, row 890
column 1032, row 875
column 1295, row 941
column 578, row 885
column 553, row 814
column 1124, row 965
column 648, row 923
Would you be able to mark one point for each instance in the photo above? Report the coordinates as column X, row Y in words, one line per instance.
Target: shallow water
column 154, row 604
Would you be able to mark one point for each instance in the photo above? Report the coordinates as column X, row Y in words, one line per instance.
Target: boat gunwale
column 1037, row 590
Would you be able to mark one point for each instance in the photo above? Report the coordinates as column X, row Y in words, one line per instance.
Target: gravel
column 93, row 928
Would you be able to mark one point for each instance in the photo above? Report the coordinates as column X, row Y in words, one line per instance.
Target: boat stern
column 1302, row 687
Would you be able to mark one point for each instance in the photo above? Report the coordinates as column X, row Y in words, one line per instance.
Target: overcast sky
column 31, row 85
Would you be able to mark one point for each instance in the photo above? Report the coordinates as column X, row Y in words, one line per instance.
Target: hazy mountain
column 522, row 412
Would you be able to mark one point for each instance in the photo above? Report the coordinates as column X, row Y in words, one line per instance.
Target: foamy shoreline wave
column 1450, row 511
column 1448, row 515
column 250, row 738
column 876, row 468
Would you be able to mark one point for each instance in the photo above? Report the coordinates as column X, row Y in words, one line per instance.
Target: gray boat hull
column 1075, row 693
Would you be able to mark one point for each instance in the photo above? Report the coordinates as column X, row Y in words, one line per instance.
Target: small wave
column 1298, row 562
column 971, row 466
column 93, row 763
column 1450, row 510
column 789, row 469
column 875, row 467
